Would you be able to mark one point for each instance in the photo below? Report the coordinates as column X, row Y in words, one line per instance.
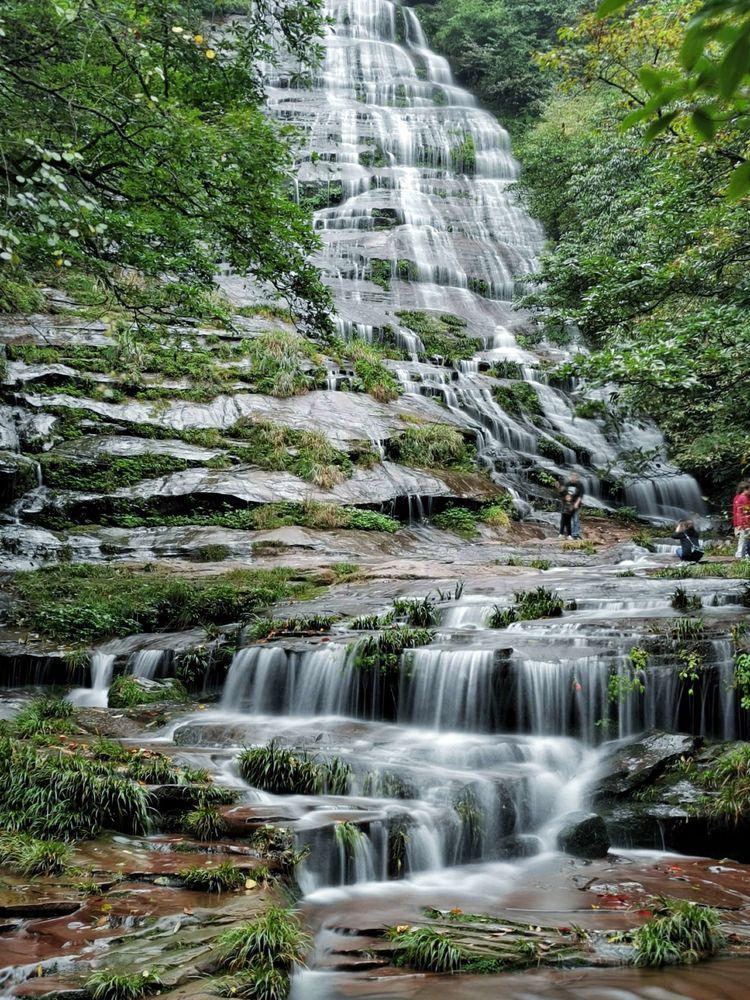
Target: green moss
column 86, row 602
column 107, row 473
column 463, row 154
column 126, row 692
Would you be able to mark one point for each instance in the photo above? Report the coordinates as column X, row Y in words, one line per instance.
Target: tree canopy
column 135, row 148
column 650, row 258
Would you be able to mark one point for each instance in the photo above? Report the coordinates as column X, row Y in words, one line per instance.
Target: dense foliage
column 135, row 146
column 650, row 257
column 490, row 44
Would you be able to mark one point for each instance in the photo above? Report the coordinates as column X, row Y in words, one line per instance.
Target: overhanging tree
column 135, row 148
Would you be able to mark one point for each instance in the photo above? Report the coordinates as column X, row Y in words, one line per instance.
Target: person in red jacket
column 741, row 520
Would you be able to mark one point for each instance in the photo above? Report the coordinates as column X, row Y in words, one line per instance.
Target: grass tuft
column 679, row 933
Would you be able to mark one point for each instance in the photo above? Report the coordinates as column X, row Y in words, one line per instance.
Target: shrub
column 224, row 877
column 273, row 940
column 284, row 771
column 205, row 822
column 496, row 516
column 371, row 623
column 460, row 520
column 105, row 985
column 644, row 540
column 518, row 399
column 30, row 856
column 679, row 932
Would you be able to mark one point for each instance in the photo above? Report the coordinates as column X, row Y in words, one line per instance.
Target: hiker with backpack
column 689, row 550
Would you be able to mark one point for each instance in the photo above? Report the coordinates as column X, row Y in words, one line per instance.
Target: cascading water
column 413, row 189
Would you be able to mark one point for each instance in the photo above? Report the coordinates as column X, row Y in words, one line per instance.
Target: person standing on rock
column 573, row 486
column 567, row 510
column 741, row 520
column 689, row 549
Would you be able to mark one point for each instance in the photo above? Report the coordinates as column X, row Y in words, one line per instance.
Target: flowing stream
column 465, row 763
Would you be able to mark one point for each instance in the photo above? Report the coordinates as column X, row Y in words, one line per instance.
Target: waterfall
column 101, row 666
column 413, row 186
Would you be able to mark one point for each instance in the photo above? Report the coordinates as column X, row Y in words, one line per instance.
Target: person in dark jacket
column 689, row 549
column 567, row 510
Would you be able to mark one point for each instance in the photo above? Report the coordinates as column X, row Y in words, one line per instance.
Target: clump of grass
column 105, row 749
column 31, row 856
column 381, row 653
column 106, row 985
column 687, row 629
column 260, row 982
column 205, row 822
column 530, row 604
column 267, row 628
column 224, row 878
column 284, row 771
column 730, row 778
column 152, row 769
column 371, row 623
column 418, row 612
column 348, row 836
column 679, row 933
column 273, row 940
column 427, row 950
column 51, row 792
column 682, row 601
column 434, row 446
column 344, row 570
column 43, row 716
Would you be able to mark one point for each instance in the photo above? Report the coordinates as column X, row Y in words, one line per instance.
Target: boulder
column 631, row 768
column 584, row 835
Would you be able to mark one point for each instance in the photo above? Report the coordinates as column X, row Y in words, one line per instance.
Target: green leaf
column 734, row 65
column 659, row 126
column 650, row 78
column 608, row 7
column 739, row 182
column 692, row 47
column 703, row 124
